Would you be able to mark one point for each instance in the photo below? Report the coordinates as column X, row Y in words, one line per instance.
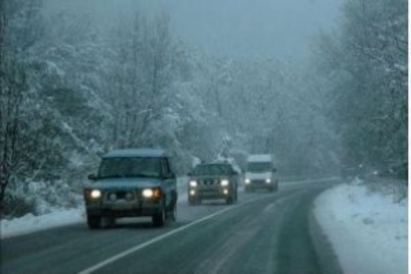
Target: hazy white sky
column 248, row 28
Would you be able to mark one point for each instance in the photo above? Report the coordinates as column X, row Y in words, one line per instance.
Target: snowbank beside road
column 30, row 223
column 367, row 230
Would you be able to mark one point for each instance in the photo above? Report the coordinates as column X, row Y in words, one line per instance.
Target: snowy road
column 263, row 233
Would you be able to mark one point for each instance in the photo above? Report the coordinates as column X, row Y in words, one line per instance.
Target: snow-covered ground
column 367, row 230
column 30, row 223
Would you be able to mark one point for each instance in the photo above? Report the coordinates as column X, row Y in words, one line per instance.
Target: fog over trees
column 70, row 91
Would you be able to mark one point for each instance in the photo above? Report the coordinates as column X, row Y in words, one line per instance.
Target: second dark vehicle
column 213, row 181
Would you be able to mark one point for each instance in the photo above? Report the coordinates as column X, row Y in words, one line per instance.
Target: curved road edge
column 326, row 255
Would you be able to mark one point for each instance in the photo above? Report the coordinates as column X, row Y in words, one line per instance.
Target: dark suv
column 212, row 181
column 132, row 183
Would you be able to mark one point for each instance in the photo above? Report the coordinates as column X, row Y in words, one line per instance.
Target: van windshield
column 258, row 167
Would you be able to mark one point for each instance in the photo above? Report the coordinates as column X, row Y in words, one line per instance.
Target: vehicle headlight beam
column 224, row 182
column 95, row 194
column 148, row 193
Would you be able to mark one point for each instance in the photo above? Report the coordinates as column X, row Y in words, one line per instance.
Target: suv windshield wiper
column 141, row 175
column 145, row 175
column 112, row 176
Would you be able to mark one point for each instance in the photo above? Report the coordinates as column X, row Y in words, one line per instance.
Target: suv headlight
column 151, row 193
column 193, row 183
column 268, row 180
column 224, row 182
column 95, row 194
column 247, row 181
column 148, row 193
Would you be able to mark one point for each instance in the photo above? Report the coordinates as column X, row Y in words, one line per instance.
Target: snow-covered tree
column 366, row 69
column 17, row 37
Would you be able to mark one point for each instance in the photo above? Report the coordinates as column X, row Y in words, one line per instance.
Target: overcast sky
column 235, row 28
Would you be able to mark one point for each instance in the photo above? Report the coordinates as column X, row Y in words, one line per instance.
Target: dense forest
column 70, row 91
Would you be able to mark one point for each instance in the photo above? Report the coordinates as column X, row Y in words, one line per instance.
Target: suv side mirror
column 92, row 177
column 170, row 175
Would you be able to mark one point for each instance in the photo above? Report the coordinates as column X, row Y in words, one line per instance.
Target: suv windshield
column 258, row 167
column 215, row 169
column 130, row 167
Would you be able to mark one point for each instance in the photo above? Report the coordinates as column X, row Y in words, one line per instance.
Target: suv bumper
column 124, row 209
column 210, row 193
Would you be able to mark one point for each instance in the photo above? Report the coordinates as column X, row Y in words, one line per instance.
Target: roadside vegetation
column 70, row 91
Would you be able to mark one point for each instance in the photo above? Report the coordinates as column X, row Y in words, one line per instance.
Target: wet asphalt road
column 262, row 233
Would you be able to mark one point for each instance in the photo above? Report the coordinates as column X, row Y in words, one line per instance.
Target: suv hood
column 126, row 183
column 209, row 177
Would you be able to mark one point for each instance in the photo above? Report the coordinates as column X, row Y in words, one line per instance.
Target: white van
column 260, row 173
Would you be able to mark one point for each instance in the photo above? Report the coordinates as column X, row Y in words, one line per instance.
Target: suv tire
column 159, row 218
column 94, row 222
column 172, row 215
column 193, row 201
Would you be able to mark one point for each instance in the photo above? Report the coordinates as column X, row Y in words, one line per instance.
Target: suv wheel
column 160, row 217
column 193, row 201
column 109, row 222
column 94, row 222
column 173, row 213
column 230, row 200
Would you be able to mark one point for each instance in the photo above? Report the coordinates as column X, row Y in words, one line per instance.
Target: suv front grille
column 208, row 182
column 120, row 195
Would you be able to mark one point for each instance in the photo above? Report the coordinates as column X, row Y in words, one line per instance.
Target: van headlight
column 224, row 182
column 193, row 183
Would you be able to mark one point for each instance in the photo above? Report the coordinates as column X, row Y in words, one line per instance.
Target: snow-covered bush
column 40, row 198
